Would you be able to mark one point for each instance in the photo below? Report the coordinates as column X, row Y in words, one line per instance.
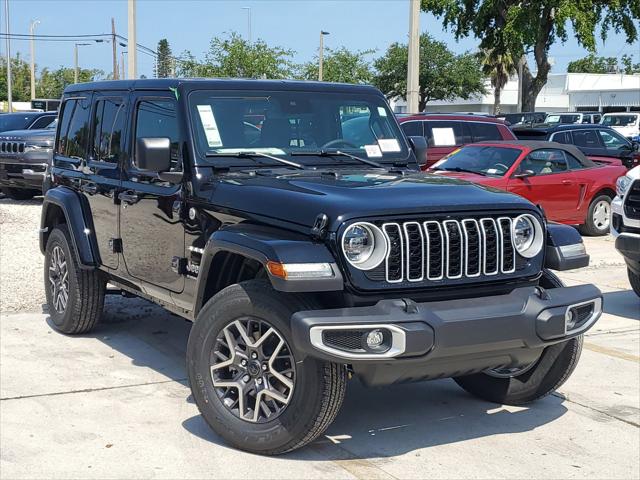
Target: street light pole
column 9, row 94
column 321, row 54
column 133, row 57
column 32, row 26
column 75, row 61
column 413, row 70
column 122, row 73
column 248, row 9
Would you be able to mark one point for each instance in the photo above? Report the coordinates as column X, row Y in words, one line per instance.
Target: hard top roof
column 546, row 128
column 468, row 117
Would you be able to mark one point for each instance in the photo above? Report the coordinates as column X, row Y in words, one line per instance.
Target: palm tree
column 499, row 66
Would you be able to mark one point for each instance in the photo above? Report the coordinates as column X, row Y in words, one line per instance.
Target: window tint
column 597, row 118
column 74, row 132
column 484, row 132
column 573, row 162
column 42, row 122
column 157, row 118
column 586, row 138
column 561, row 137
column 108, row 127
column 445, row 134
column 544, row 162
column 611, row 140
column 412, row 129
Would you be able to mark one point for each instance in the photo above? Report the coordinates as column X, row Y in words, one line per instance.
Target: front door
column 150, row 208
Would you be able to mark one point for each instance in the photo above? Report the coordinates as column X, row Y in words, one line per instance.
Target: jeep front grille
column 448, row 249
column 632, row 201
column 12, row 147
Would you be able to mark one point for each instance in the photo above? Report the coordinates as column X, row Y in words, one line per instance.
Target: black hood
column 44, row 136
column 300, row 197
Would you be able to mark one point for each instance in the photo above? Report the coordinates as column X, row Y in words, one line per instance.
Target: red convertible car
column 570, row 187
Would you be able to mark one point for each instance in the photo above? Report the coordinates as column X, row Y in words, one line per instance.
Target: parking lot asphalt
column 115, row 403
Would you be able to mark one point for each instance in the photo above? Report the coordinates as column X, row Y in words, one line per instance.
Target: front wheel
column 251, row 385
column 634, row 280
column 528, row 383
column 598, row 217
column 19, row 193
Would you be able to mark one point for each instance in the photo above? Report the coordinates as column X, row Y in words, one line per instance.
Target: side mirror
column 635, row 146
column 153, row 154
column 525, row 174
column 419, row 146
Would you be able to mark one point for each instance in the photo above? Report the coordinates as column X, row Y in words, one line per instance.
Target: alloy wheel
column 253, row 370
column 59, row 279
column 602, row 215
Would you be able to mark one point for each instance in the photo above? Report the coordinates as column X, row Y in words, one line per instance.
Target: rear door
column 588, row 141
column 552, row 185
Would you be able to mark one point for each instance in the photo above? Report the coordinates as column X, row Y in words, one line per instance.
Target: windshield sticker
column 443, row 137
column 382, row 111
column 389, row 145
column 210, row 126
column 267, row 150
column 373, row 150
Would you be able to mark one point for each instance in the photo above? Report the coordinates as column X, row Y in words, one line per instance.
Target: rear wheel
column 250, row 384
column 598, row 217
column 527, row 383
column 634, row 280
column 19, row 193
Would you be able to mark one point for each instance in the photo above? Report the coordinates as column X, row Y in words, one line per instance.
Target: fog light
column 375, row 339
column 570, row 320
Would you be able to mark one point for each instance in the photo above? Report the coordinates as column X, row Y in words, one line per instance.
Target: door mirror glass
column 525, row 174
column 419, row 147
column 153, row 154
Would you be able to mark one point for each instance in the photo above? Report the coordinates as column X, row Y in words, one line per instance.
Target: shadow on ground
column 374, row 422
column 623, row 304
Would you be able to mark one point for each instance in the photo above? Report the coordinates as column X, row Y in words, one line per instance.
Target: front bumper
column 21, row 175
column 450, row 338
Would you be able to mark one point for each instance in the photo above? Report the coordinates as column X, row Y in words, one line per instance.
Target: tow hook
column 542, row 293
column 410, row 306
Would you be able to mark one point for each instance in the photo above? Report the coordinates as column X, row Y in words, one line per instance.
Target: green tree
column 20, row 78
column 533, row 26
column 52, row 83
column 341, row 65
column 593, row 64
column 164, row 60
column 628, row 66
column 498, row 66
column 443, row 74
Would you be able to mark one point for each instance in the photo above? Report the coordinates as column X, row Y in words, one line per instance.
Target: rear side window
column 158, row 118
column 573, row 162
column 586, row 138
column 108, row 128
column 561, row 137
column 445, row 134
column 412, row 129
column 484, row 132
column 74, row 128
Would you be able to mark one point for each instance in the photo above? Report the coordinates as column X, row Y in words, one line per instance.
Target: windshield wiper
column 252, row 156
column 324, row 153
column 462, row 170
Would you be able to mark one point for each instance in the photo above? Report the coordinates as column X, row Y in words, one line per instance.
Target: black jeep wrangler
column 290, row 222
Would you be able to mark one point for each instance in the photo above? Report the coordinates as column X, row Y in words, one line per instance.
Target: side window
column 157, row 118
column 484, row 132
column 42, row 122
column 586, row 138
column 545, row 162
column 74, row 130
column 561, row 137
column 597, row 118
column 445, row 133
column 611, row 140
column 108, row 129
column 412, row 129
column 573, row 162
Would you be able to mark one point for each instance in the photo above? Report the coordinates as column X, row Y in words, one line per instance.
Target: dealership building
column 563, row 92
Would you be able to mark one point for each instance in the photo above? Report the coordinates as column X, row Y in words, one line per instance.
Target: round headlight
column 527, row 236
column 364, row 245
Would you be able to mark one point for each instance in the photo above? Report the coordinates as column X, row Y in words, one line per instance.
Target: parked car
column 445, row 133
column 558, row 118
column 24, row 159
column 626, row 124
column 625, row 224
column 26, row 120
column 571, row 188
column 523, row 118
column 595, row 141
column 306, row 259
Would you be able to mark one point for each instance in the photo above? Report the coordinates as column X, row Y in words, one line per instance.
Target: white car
column 625, row 223
column 626, row 123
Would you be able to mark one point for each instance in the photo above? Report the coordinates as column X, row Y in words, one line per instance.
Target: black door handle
column 89, row 188
column 128, row 197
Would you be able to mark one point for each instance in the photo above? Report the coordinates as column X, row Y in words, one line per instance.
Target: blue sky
column 190, row 24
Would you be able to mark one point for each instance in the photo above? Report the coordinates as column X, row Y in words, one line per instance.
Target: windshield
column 495, row 161
column 10, row 121
column 562, row 119
column 619, row 120
column 291, row 123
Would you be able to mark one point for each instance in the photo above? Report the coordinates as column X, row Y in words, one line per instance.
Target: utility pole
column 321, row 54
column 32, row 26
column 248, row 9
column 133, row 57
column 114, row 48
column 9, row 94
column 413, row 71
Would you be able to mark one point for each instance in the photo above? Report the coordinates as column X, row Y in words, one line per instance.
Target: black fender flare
column 269, row 244
column 78, row 220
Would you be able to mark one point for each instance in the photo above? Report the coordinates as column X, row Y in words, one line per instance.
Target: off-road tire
column 634, row 280
column 589, row 227
column 552, row 369
column 19, row 193
column 86, row 288
column 319, row 386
